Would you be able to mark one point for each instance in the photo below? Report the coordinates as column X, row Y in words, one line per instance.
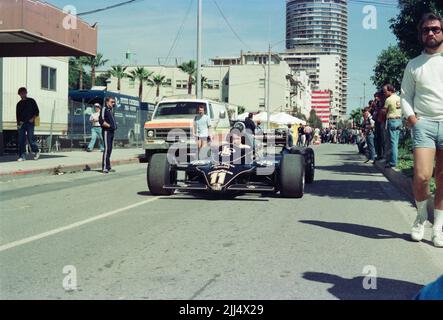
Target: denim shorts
column 428, row 134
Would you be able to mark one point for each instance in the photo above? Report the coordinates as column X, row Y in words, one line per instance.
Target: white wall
column 26, row 72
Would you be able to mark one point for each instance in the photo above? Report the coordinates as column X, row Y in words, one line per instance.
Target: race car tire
column 292, row 176
column 159, row 174
column 309, row 156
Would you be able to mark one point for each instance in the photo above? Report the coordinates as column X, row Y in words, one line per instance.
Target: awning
column 33, row 28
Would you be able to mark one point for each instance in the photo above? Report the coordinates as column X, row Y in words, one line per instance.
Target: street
column 124, row 243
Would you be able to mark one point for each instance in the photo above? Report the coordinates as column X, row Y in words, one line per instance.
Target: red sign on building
column 321, row 103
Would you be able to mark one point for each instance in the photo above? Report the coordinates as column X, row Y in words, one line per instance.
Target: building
column 46, row 79
column 36, row 29
column 321, row 103
column 316, row 29
column 238, row 81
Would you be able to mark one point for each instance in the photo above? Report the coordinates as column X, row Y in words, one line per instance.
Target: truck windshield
column 181, row 110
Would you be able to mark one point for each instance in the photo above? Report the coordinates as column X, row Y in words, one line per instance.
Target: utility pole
column 199, row 50
column 364, row 93
column 268, row 89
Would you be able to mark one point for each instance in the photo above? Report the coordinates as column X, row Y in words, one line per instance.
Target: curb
column 398, row 179
column 62, row 169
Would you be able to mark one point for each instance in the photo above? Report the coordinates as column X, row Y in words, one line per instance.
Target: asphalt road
column 90, row 236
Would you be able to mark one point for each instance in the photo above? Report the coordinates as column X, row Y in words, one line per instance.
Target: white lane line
column 71, row 226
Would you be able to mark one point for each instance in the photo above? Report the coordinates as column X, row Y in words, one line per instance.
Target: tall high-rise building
column 316, row 28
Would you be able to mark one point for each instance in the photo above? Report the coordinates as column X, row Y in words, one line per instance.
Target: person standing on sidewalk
column 108, row 124
column 368, row 131
column 202, row 129
column 422, row 104
column 393, row 115
column 96, row 130
column 26, row 112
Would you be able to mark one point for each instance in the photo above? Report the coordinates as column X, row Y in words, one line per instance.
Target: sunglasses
column 435, row 30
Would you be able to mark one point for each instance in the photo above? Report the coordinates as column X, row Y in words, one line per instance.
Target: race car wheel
column 292, row 176
column 309, row 156
column 159, row 174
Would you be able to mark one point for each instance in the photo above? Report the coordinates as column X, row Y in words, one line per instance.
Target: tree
column 142, row 75
column 118, row 72
column 356, row 115
column 157, row 81
column 190, row 69
column 314, row 120
column 77, row 75
column 389, row 68
column 405, row 24
column 94, row 63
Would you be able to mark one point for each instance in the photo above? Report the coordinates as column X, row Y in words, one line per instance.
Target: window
column 216, row 84
column 168, row 83
column 261, row 83
column 131, row 84
column 49, row 78
column 181, row 84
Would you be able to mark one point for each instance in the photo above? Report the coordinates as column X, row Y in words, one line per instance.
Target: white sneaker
column 418, row 229
column 437, row 238
column 37, row 155
column 20, row 159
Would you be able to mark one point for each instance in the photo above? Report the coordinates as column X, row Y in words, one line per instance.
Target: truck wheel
column 148, row 155
column 131, row 139
column 309, row 156
column 292, row 176
column 159, row 174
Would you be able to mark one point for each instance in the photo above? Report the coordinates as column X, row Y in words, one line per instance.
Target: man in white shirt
column 422, row 104
column 96, row 130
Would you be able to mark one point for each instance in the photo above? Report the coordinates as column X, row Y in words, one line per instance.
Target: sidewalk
column 63, row 162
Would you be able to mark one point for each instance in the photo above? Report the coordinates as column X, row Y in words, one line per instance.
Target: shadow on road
column 354, row 289
column 348, row 168
column 353, row 189
column 209, row 197
column 361, row 231
column 145, row 193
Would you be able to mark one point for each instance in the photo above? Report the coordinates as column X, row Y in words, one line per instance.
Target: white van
column 170, row 114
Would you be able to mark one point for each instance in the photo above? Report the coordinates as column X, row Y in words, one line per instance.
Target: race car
column 234, row 168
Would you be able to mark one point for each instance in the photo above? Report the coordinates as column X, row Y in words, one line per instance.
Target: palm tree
column 94, row 63
column 356, row 116
column 142, row 75
column 190, row 69
column 76, row 65
column 157, row 81
column 118, row 72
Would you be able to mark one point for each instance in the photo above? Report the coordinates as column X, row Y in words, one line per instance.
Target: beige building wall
column 241, row 85
column 27, row 72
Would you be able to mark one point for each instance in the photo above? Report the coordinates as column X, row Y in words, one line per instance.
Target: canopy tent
column 284, row 118
column 262, row 116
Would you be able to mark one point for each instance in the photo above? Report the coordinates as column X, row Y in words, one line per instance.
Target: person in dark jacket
column 26, row 112
column 250, row 124
column 109, row 125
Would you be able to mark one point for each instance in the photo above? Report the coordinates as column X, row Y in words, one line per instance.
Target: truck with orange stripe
column 171, row 125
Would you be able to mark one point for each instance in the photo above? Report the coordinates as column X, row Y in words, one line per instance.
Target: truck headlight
column 150, row 134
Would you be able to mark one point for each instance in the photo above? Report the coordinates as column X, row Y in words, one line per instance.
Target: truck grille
column 177, row 132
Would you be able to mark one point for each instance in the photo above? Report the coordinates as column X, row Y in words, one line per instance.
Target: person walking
column 250, row 124
column 108, row 125
column 96, row 130
column 393, row 115
column 422, row 104
column 308, row 135
column 26, row 113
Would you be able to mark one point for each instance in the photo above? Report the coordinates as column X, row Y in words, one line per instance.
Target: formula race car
column 235, row 167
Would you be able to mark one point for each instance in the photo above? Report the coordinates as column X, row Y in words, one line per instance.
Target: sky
column 148, row 28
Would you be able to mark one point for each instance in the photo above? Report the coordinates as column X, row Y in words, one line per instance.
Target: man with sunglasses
column 109, row 125
column 422, row 104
